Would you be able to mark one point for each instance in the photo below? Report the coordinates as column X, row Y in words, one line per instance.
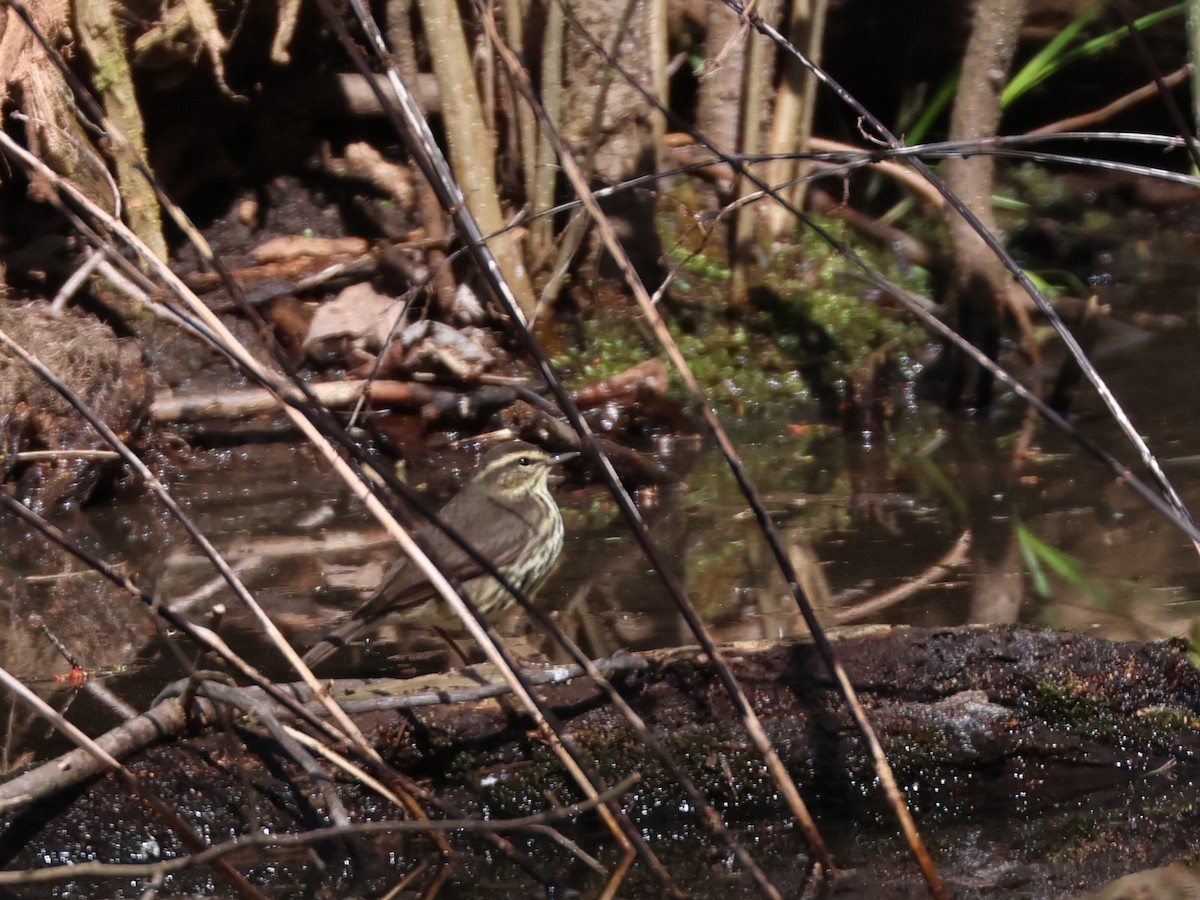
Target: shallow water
column 860, row 515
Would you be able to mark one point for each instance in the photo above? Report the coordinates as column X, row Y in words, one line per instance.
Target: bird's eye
column 525, row 461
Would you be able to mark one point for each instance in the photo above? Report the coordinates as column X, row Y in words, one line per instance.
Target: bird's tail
column 335, row 640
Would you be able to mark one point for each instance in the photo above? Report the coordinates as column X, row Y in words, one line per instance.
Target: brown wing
column 405, row 585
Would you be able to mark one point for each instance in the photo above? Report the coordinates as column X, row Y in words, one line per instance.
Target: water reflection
column 857, row 520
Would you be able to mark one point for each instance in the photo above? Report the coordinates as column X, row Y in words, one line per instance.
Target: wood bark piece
column 429, row 399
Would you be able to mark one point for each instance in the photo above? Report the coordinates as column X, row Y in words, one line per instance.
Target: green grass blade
column 1047, row 60
column 1029, row 546
column 934, row 109
column 1048, row 64
column 1040, row 556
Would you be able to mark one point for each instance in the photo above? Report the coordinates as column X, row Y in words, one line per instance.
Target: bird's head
column 515, row 470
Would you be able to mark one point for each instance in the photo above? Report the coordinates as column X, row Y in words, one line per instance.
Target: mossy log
column 968, row 716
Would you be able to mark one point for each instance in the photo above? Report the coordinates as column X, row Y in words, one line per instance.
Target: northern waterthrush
column 506, row 512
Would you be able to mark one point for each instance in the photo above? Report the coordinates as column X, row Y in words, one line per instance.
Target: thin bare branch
column 1122, row 103
column 954, row 558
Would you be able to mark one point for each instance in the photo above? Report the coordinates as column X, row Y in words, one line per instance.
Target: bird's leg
column 455, row 650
